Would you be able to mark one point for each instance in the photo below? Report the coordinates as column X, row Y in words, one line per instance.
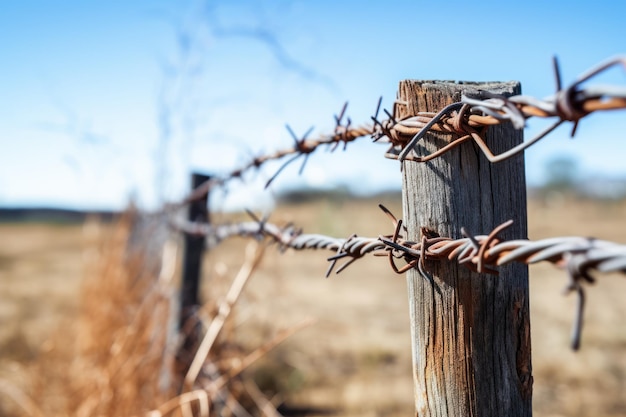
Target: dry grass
column 119, row 355
column 103, row 351
column 112, row 358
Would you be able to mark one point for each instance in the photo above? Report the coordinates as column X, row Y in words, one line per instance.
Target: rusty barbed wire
column 287, row 237
column 467, row 120
column 476, row 111
column 482, row 254
column 344, row 133
column 577, row 255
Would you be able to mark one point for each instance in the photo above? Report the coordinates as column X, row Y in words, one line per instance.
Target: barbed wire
column 578, row 256
column 303, row 147
column 467, row 120
column 476, row 111
column 287, row 237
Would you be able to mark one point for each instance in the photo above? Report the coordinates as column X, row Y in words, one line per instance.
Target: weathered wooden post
column 470, row 332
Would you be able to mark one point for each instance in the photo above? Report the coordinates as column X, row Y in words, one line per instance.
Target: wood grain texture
column 470, row 332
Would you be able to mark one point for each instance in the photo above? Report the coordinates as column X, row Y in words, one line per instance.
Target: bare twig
column 254, row 254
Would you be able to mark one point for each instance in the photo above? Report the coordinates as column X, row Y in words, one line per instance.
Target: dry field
column 355, row 359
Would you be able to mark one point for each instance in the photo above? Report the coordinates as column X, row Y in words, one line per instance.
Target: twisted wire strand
column 485, row 109
column 303, row 148
column 286, row 237
column 467, row 120
column 483, row 253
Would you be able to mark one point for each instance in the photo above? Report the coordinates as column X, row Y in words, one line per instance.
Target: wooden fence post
column 190, row 282
column 194, row 250
column 470, row 332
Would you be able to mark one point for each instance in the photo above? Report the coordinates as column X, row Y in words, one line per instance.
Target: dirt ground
column 355, row 360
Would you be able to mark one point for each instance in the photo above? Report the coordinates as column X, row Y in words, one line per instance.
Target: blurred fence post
column 192, row 257
column 188, row 324
column 470, row 332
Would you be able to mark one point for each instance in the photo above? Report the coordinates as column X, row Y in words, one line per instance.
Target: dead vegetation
column 111, row 350
column 121, row 354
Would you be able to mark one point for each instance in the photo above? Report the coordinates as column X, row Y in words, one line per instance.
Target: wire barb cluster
column 482, row 254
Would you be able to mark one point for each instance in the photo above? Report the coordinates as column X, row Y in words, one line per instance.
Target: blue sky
column 101, row 101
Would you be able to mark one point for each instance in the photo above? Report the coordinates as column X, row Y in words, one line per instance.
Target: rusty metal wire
column 343, row 133
column 287, row 237
column 482, row 254
column 465, row 120
column 577, row 255
column 469, row 118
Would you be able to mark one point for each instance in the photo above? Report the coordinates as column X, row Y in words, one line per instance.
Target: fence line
column 467, row 119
